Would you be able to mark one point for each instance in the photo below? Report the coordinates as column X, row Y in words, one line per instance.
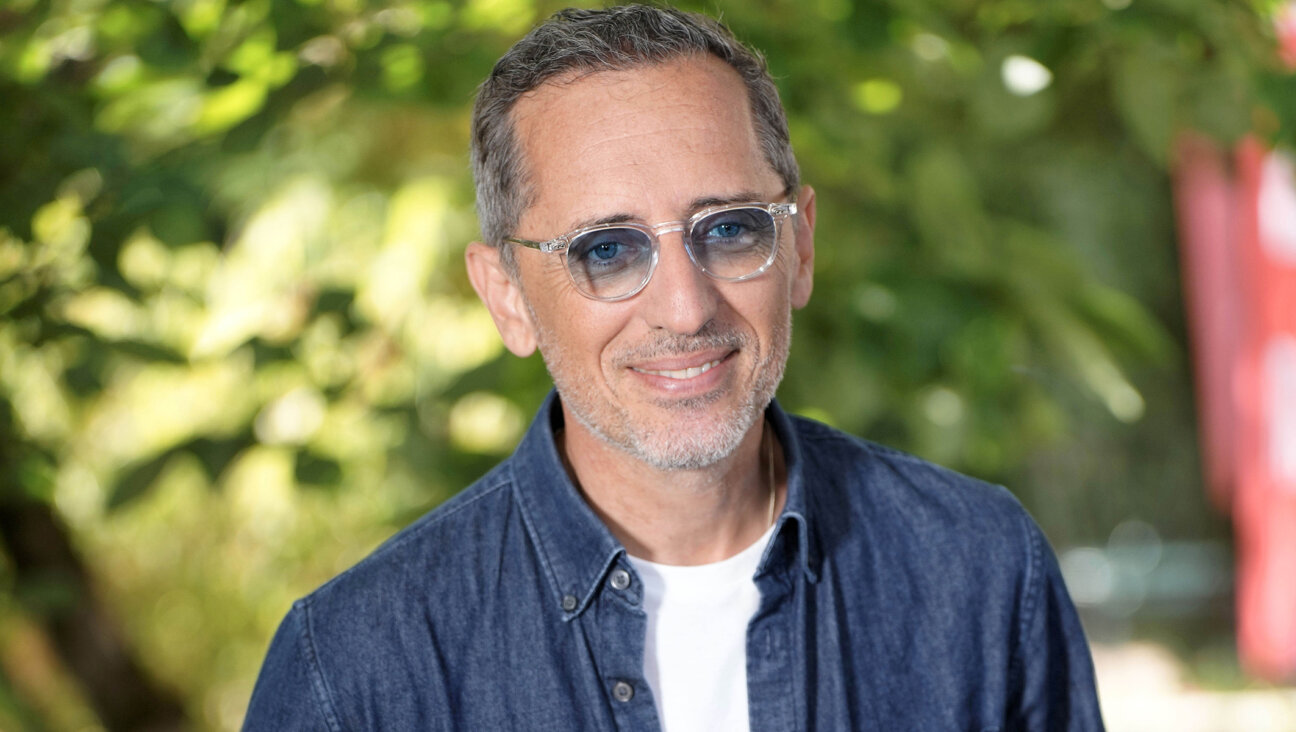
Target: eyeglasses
column 612, row 262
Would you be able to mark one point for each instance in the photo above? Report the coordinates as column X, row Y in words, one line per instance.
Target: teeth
column 682, row 373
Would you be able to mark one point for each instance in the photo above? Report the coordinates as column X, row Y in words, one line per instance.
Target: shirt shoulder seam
column 319, row 684
column 436, row 516
column 452, row 506
column 1033, row 589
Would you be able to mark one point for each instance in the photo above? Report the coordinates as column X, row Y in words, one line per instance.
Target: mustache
column 710, row 337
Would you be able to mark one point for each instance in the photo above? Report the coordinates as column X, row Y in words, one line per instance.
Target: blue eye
column 734, row 230
column 606, row 247
column 734, row 242
column 725, row 230
column 604, row 250
column 604, row 257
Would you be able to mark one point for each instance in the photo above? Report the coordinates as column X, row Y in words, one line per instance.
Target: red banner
column 1238, row 236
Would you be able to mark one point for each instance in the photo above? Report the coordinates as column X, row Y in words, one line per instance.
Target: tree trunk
column 87, row 640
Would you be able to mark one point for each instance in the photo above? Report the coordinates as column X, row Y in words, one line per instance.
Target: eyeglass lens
column 613, row 262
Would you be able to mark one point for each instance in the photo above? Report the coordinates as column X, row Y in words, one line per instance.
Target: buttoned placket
column 597, row 592
column 772, row 676
column 622, row 631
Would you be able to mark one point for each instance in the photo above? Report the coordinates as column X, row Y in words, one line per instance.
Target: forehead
column 645, row 137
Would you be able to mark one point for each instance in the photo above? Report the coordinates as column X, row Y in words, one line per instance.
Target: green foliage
column 237, row 349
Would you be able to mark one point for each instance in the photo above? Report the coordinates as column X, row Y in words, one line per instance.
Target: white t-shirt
column 696, row 654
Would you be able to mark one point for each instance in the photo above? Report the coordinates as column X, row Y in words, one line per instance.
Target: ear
column 803, row 276
column 502, row 296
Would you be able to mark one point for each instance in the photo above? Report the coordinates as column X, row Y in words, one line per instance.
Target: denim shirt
column 896, row 595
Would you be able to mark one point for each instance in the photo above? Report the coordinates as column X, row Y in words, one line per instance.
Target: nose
column 679, row 298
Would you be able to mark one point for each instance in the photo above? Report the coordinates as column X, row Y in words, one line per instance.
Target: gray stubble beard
column 671, row 449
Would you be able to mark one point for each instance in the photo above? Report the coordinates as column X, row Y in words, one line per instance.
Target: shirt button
column 569, row 602
column 622, row 691
column 620, row 579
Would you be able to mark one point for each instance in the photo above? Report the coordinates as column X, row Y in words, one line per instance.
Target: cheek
column 588, row 333
column 763, row 310
column 777, row 282
column 775, row 318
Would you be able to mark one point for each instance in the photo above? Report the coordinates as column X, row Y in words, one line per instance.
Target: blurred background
column 238, row 350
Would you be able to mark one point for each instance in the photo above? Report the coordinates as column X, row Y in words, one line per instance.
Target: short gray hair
column 589, row 41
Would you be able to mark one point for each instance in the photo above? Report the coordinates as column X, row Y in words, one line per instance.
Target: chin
column 695, row 449
column 679, row 441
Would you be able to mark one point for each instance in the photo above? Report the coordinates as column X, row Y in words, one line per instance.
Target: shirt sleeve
column 290, row 693
column 1052, row 666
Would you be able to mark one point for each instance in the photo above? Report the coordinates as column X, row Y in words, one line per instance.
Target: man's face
column 676, row 375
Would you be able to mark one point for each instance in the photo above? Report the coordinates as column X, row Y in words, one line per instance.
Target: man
column 667, row 548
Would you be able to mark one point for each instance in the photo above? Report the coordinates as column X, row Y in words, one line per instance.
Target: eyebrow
column 694, row 206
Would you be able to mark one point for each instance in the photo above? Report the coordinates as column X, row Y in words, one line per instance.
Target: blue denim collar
column 795, row 525
column 578, row 550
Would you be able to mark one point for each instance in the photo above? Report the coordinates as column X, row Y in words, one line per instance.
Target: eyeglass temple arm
column 552, row 245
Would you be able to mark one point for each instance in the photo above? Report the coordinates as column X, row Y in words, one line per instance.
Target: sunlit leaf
column 402, row 67
column 484, row 422
column 229, row 105
column 506, row 16
column 104, row 311
column 61, row 230
column 200, row 17
column 877, row 96
column 157, row 115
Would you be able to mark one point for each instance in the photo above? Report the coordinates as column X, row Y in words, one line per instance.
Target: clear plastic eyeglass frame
column 777, row 211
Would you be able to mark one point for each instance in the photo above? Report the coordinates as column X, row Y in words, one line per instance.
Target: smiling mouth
column 682, row 373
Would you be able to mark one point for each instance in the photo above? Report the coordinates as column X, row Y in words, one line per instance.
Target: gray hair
column 589, row 41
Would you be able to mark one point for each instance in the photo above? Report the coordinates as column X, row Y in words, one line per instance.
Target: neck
column 678, row 517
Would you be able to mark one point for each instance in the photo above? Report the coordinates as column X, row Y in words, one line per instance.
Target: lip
column 681, row 374
column 684, row 362
column 694, row 371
